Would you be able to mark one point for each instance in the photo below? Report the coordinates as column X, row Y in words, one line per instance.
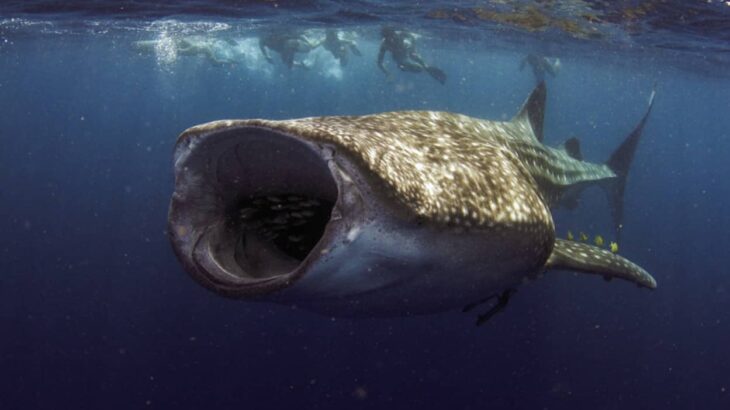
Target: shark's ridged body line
column 429, row 210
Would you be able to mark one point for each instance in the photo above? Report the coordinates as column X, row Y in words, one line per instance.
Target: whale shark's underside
column 397, row 213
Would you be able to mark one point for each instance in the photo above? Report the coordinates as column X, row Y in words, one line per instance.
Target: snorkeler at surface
column 402, row 47
column 339, row 47
column 287, row 45
column 541, row 65
column 215, row 49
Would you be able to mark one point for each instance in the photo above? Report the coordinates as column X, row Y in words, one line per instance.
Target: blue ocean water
column 96, row 312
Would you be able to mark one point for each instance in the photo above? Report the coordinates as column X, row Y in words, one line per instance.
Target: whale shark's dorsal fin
column 533, row 110
column 586, row 258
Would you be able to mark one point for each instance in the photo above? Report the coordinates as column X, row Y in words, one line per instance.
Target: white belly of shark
column 384, row 215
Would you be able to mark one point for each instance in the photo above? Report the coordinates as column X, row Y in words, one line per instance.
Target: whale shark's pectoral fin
column 586, row 258
column 501, row 301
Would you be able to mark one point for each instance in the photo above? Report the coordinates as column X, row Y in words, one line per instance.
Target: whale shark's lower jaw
column 253, row 208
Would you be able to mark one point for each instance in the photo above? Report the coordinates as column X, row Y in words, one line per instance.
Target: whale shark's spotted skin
column 434, row 209
column 434, row 165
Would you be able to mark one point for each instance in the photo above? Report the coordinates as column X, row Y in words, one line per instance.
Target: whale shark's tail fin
column 582, row 257
column 620, row 162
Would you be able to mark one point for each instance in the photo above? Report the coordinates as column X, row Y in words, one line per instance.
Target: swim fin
column 437, row 74
column 355, row 50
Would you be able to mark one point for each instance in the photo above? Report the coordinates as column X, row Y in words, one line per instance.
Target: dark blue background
column 95, row 311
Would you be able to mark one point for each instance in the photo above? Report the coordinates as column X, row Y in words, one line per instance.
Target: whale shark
column 389, row 214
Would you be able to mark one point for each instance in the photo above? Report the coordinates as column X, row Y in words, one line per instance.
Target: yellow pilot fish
column 598, row 240
column 614, row 247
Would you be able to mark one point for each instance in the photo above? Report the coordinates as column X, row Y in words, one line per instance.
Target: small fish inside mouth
column 293, row 224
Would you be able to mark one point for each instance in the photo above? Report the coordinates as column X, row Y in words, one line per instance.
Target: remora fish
column 397, row 213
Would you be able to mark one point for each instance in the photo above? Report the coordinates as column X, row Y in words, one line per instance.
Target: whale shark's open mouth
column 252, row 208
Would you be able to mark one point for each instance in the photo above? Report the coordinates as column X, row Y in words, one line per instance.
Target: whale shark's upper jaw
column 254, row 209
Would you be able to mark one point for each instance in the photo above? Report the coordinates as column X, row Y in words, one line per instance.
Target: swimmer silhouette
column 541, row 65
column 216, row 50
column 287, row 45
column 402, row 47
column 339, row 47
